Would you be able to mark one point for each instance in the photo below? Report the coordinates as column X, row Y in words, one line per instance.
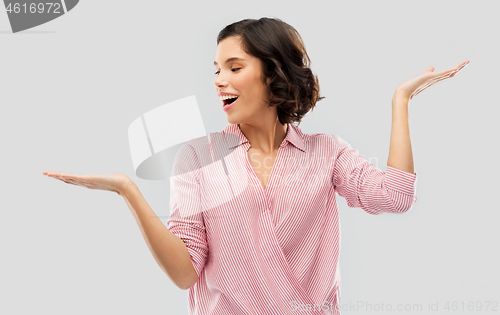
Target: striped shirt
column 273, row 250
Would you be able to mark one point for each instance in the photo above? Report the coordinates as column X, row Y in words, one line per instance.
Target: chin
column 233, row 120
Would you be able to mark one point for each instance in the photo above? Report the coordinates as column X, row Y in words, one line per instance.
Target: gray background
column 71, row 87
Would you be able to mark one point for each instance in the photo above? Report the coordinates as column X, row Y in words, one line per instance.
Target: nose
column 220, row 81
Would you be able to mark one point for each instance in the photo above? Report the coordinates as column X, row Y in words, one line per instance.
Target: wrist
column 126, row 188
column 401, row 96
column 400, row 100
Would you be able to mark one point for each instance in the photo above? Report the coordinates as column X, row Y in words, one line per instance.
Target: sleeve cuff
column 400, row 180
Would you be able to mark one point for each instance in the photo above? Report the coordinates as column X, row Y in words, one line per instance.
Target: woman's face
column 240, row 74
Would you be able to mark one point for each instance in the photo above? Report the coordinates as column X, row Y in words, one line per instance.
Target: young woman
column 265, row 239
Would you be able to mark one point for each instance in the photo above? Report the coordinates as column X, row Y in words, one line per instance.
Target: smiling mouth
column 230, row 101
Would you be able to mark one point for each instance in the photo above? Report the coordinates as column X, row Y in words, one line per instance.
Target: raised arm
column 400, row 154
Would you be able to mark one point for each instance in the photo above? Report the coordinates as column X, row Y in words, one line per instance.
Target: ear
column 268, row 80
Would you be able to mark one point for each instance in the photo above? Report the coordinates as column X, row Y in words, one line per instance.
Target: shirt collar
column 294, row 136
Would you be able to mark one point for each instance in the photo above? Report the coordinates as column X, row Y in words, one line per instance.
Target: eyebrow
column 230, row 59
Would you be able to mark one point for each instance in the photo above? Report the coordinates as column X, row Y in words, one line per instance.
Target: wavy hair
column 293, row 88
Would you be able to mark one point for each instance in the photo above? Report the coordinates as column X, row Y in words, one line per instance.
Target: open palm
column 413, row 86
column 115, row 182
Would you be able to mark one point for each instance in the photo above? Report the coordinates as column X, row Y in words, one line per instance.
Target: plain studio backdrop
column 71, row 87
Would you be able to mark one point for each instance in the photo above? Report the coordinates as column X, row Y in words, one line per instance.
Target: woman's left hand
column 413, row 86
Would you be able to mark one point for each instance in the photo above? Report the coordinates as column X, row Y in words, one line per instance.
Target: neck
column 265, row 136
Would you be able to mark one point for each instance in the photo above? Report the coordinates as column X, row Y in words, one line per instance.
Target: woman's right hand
column 115, row 182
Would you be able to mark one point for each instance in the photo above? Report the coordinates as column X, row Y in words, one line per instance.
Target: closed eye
column 234, row 70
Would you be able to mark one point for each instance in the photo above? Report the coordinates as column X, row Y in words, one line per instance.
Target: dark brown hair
column 293, row 87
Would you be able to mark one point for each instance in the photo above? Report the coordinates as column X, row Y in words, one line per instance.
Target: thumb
column 429, row 69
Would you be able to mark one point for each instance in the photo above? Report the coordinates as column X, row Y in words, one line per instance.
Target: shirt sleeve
column 186, row 220
column 365, row 186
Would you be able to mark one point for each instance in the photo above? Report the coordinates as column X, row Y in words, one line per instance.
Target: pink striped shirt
column 273, row 250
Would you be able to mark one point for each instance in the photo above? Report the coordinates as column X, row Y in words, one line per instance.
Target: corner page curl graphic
column 170, row 142
column 28, row 14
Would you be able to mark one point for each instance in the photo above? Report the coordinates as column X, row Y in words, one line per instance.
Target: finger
column 429, row 69
column 462, row 64
column 441, row 76
column 432, row 77
column 56, row 174
column 447, row 72
column 71, row 182
column 430, row 82
column 420, row 89
column 64, row 177
column 457, row 68
column 51, row 173
column 69, row 176
column 415, row 93
column 425, row 86
column 76, row 183
column 67, row 180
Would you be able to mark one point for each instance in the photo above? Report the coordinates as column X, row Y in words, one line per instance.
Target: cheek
column 254, row 85
column 244, row 80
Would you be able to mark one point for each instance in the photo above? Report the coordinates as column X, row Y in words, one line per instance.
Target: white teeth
column 225, row 97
